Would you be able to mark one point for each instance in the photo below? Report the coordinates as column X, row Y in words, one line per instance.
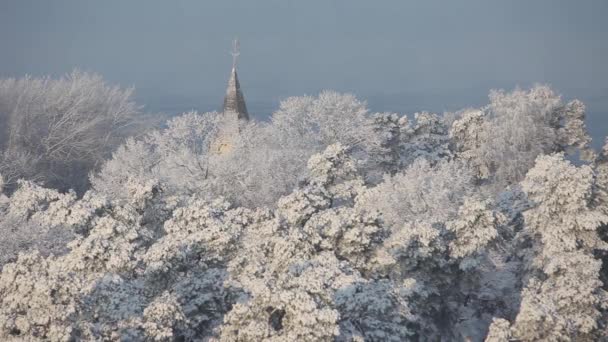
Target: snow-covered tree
column 332, row 117
column 469, row 134
column 427, row 138
column 563, row 218
column 565, row 304
column 502, row 140
column 35, row 218
column 389, row 128
column 601, row 171
column 473, row 230
column 500, row 331
column 563, row 294
column 57, row 130
column 421, row 193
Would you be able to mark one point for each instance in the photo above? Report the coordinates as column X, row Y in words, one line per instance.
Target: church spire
column 234, row 102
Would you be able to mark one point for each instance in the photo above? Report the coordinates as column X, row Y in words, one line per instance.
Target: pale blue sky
column 399, row 55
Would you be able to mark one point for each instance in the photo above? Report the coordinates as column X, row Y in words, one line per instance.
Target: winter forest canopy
column 327, row 223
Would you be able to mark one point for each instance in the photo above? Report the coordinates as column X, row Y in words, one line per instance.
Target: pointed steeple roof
column 234, row 102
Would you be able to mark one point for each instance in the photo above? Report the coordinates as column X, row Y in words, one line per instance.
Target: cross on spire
column 235, row 52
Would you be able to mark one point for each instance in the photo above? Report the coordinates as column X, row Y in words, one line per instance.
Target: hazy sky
column 399, row 55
